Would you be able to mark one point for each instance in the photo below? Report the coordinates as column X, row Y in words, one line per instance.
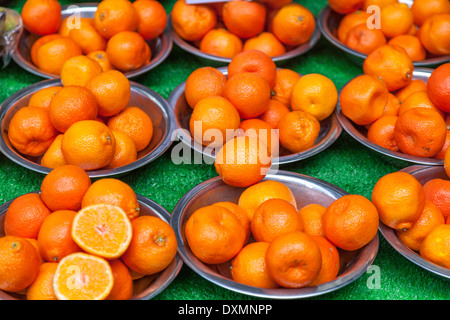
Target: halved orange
column 82, row 276
column 102, row 229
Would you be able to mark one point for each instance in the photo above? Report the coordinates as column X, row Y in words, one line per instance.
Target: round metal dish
column 328, row 23
column 359, row 133
column 11, row 26
column 423, row 174
column 292, row 53
column 152, row 103
column 145, row 288
column 330, row 130
column 307, row 190
column 160, row 47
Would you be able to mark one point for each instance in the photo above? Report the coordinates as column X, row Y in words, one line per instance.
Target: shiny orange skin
column 202, row 83
column 127, row 50
column 221, row 42
column 267, row 43
column 438, row 192
column 152, row 18
column 436, row 246
column 364, row 40
column 42, row 286
column 87, row 36
column 39, row 42
column 112, row 17
column 349, row 21
column 412, row 46
column 43, row 97
column 423, row 9
column 244, row 18
column 284, row 83
column 344, row 6
column 435, row 34
column 51, row 56
column 396, row 19
column 123, row 283
column 41, row 17
column 381, row 132
column 274, row 113
column 438, row 87
column 330, row 261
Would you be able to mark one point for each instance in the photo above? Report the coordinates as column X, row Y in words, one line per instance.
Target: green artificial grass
column 346, row 164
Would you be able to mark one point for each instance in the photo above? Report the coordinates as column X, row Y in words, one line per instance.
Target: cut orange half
column 102, row 229
column 82, row 276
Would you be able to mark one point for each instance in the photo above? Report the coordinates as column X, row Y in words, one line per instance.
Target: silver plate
column 295, row 52
column 160, row 46
column 328, row 23
column 423, row 174
column 307, row 190
column 330, row 130
column 145, row 288
column 359, row 133
column 152, row 103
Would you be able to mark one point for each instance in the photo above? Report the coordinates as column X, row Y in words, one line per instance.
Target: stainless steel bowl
column 307, row 190
column 160, row 46
column 292, row 53
column 423, row 174
column 11, row 26
column 330, row 130
column 359, row 133
column 152, row 103
column 328, row 23
column 144, row 288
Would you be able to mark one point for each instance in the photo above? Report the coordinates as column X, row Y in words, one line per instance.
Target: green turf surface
column 346, row 164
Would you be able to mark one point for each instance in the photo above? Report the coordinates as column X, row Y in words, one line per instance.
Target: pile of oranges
column 418, row 214
column 256, row 100
column 271, row 241
column 117, row 37
column 226, row 29
column 422, row 30
column 87, row 121
column 79, row 240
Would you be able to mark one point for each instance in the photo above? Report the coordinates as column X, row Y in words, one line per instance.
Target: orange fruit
column 441, row 153
column 43, row 97
column 423, row 9
column 221, row 42
column 274, row 113
column 102, row 58
column 363, row 99
column 82, row 276
column 252, row 197
column 63, row 188
column 50, row 56
column 153, row 246
column 113, row 192
column 363, row 39
column 254, row 61
column 438, row 192
column 436, row 246
column 30, row 131
column 392, row 106
column 53, row 157
column 244, row 18
column 192, row 21
column 25, row 215
column 275, row 4
column 34, row 242
column 238, row 212
column 414, row 86
column 19, row 263
column 263, row 131
column 88, row 144
column 390, row 63
column 78, row 70
column 345, row 6
column 41, row 17
column 293, row 260
column 70, row 105
column 211, row 119
column 127, row 50
column 315, row 94
column 42, row 286
column 123, row 283
column 434, row 34
column 399, row 198
column 102, row 229
column 412, row 46
column 125, row 152
column 284, row 83
column 330, row 261
column 55, row 239
column 249, row 266
column 430, row 217
column 420, row 132
column 273, row 218
column 242, row 161
column 418, row 100
column 438, row 87
column 293, row 24
column 312, row 216
column 379, row 3
column 112, row 91
column 202, row 83
column 152, row 18
column 349, row 21
column 87, row 36
column 112, row 17
column 135, row 123
column 38, row 43
column 214, row 234
column 396, row 19
column 381, row 132
column 298, row 131
column 351, row 222
column 267, row 43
